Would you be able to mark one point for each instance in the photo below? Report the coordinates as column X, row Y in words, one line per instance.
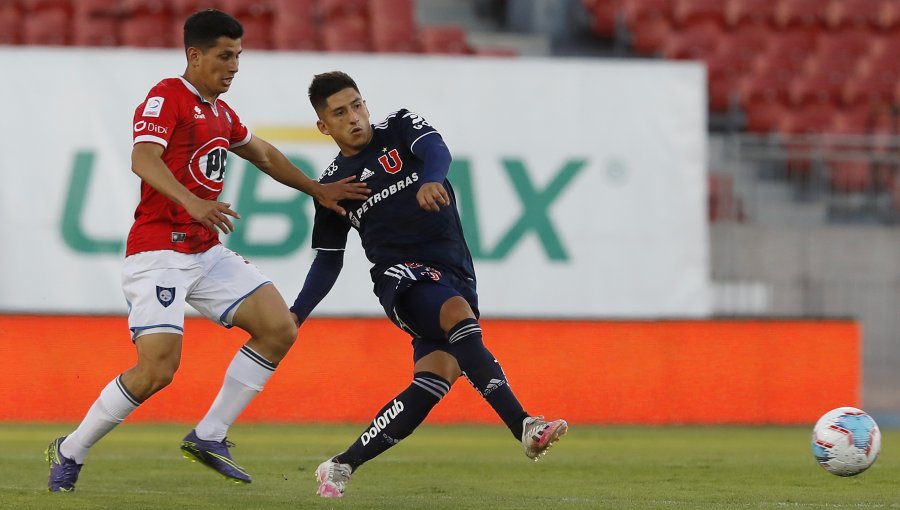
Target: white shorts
column 157, row 284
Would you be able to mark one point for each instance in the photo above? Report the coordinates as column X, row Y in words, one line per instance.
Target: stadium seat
column 724, row 72
column 46, row 27
column 739, row 13
column 393, row 26
column 149, row 31
column 887, row 16
column 247, row 8
column 97, row 8
column 10, row 23
column 294, row 25
column 602, row 15
column 799, row 13
column 633, row 10
column 348, row 35
column 846, row 44
column 181, row 9
column 763, row 99
column 257, row 32
column 695, row 44
column 445, row 39
column 304, row 10
column 331, row 10
column 815, row 117
column 97, row 30
column 687, row 13
column 791, row 47
column 647, row 35
column 844, row 14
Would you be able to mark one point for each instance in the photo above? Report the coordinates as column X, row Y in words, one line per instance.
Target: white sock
column 109, row 410
column 245, row 377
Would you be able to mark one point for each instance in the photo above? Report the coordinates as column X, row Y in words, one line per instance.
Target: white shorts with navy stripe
column 157, row 284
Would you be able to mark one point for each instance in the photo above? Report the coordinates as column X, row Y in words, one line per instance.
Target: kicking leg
column 158, row 357
column 486, row 375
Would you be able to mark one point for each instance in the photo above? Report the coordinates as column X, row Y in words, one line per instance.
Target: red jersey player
column 182, row 135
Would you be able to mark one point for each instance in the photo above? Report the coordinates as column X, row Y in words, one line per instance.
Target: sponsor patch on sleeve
column 153, row 106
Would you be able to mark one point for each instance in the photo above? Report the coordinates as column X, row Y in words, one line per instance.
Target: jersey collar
column 196, row 92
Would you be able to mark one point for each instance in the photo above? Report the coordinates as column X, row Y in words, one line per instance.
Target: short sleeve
column 155, row 118
column 329, row 230
column 240, row 134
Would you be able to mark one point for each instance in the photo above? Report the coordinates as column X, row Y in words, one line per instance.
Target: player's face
column 212, row 71
column 345, row 118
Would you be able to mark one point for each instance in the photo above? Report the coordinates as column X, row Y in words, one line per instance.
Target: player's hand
column 213, row 215
column 432, row 196
column 343, row 189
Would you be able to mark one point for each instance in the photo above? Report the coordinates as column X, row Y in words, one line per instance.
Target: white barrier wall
column 581, row 182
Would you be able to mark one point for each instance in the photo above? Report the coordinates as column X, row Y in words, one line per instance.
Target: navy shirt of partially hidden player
column 392, row 226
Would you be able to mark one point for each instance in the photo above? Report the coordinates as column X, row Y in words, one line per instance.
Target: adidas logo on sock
column 493, row 385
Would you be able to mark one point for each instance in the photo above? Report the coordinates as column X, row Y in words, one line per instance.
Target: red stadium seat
column 96, row 30
column 393, row 25
column 887, row 16
column 649, row 34
column 349, row 35
column 763, row 98
column 147, row 30
column 257, row 32
column 10, row 24
column 686, row 13
column 247, row 8
column 181, row 9
column 97, row 8
column 694, row 44
column 602, row 15
column 799, row 13
column 46, row 27
column 633, row 10
column 446, row 39
column 843, row 14
column 748, row 12
column 808, row 118
column 724, row 72
column 294, row 25
column 304, row 10
column 331, row 10
column 845, row 44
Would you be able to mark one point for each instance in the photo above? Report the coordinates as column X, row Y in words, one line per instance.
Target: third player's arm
column 147, row 163
column 270, row 160
column 323, row 272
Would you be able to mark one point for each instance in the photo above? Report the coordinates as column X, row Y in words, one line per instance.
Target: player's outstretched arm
column 270, row 160
column 147, row 163
column 323, row 272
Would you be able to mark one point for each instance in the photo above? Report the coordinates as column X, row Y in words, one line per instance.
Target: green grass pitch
column 454, row 467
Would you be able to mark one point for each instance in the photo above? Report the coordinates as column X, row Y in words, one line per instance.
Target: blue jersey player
column 421, row 269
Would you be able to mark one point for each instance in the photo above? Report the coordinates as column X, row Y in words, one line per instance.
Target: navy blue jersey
column 392, row 226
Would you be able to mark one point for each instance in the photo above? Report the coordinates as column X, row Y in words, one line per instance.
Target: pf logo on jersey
column 391, row 161
column 207, row 164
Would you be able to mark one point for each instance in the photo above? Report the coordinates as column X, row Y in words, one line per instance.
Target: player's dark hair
column 203, row 28
column 326, row 84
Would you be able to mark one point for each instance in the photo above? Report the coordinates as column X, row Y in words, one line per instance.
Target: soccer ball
column 846, row 441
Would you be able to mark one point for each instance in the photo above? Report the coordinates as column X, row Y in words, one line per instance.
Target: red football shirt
column 196, row 136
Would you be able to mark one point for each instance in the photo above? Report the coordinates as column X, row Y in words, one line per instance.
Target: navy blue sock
column 397, row 419
column 485, row 373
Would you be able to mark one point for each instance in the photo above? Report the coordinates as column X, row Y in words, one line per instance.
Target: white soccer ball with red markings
column 846, row 441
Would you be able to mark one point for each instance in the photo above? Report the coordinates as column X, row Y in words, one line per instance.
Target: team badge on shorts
column 165, row 295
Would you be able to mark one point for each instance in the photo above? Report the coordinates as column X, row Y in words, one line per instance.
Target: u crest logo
column 391, row 162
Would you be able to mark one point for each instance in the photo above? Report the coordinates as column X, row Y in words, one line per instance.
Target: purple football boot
column 63, row 471
column 215, row 455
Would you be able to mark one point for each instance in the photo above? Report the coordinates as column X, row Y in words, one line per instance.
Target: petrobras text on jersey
column 356, row 217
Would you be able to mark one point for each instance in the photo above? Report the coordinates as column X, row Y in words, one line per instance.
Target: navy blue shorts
column 412, row 295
